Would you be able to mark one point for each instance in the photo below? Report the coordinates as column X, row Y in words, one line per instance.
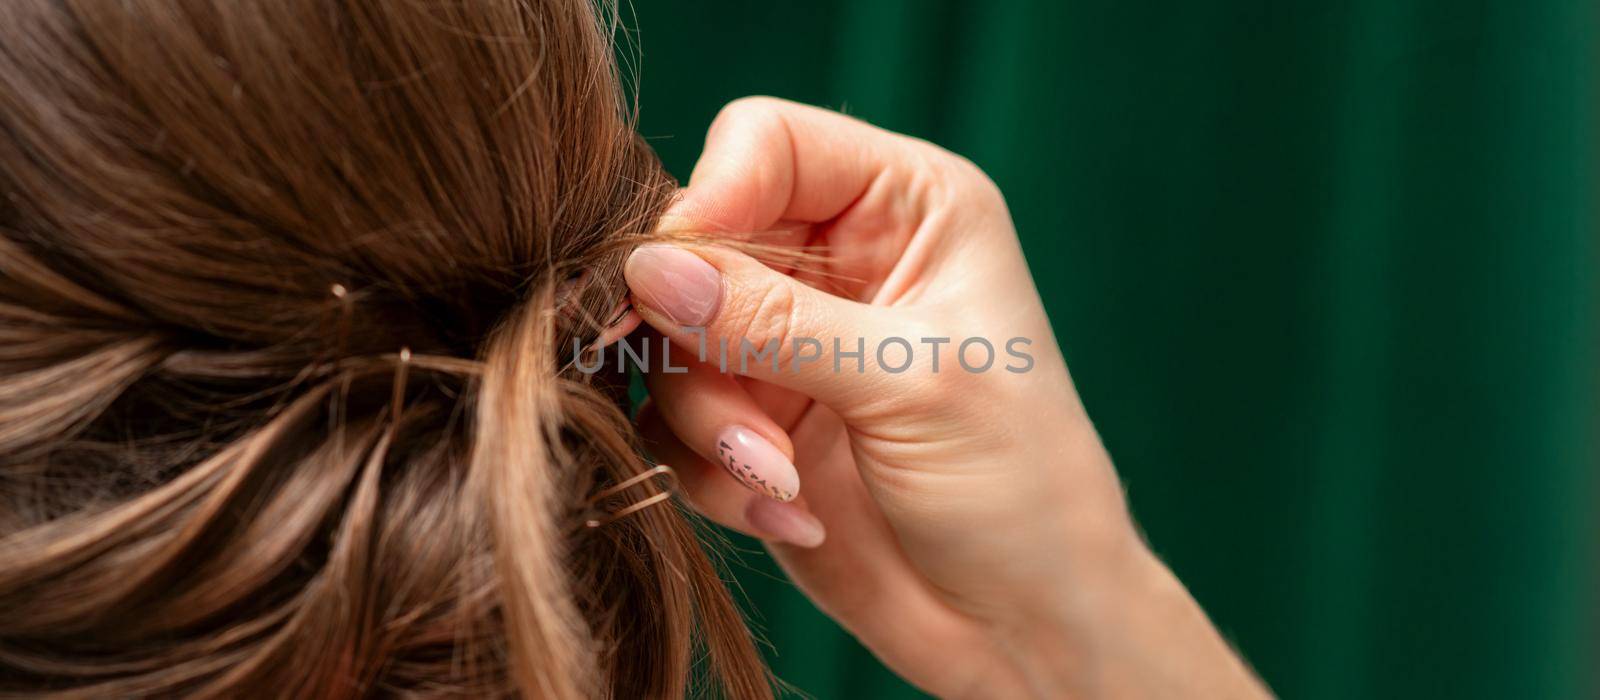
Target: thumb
column 737, row 314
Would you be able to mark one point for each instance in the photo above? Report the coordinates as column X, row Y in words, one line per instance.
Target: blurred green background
column 1325, row 273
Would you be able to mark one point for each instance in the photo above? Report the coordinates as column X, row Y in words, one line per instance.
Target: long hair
column 284, row 286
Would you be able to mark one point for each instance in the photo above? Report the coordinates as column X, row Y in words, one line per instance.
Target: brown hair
column 283, row 411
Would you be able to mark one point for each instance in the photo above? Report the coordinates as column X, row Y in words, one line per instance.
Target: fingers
column 717, row 419
column 724, row 500
column 768, row 160
column 741, row 316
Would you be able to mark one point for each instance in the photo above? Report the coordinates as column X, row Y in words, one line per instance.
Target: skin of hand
column 968, row 527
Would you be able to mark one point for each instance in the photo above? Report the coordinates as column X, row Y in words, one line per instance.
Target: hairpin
column 343, row 333
column 606, row 518
column 397, row 400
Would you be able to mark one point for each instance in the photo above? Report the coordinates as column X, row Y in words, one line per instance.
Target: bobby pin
column 611, row 517
column 343, row 295
column 397, row 401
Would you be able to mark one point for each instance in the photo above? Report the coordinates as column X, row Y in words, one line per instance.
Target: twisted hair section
column 283, row 410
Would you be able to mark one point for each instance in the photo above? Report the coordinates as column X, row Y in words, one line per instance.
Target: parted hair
column 284, row 412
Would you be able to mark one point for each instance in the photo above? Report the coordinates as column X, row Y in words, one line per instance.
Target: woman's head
column 283, row 288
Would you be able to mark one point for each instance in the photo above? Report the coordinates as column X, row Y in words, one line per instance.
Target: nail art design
column 757, row 464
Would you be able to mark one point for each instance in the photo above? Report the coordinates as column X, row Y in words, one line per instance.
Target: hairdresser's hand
column 964, row 523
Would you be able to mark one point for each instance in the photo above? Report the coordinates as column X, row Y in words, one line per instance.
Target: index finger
column 768, row 160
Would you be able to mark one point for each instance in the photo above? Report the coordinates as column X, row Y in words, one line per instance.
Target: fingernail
column 675, row 282
column 785, row 522
column 757, row 464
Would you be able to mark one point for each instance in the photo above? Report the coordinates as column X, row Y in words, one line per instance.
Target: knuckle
column 939, row 176
column 972, row 181
column 763, row 316
column 953, row 378
column 774, row 312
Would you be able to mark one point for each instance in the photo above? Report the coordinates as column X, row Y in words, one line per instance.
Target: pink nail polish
column 675, row 282
column 757, row 464
column 785, row 522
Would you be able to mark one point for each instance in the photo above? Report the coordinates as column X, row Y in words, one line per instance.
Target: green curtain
column 1325, row 273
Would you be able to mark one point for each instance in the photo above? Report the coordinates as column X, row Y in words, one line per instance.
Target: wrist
column 1123, row 627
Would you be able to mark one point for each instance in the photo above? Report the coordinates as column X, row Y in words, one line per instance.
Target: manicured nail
column 757, row 464
column 675, row 282
column 785, row 522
